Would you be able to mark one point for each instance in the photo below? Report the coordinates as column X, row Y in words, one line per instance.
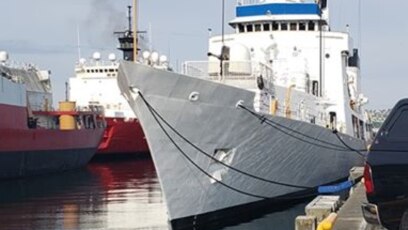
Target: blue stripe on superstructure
column 278, row 9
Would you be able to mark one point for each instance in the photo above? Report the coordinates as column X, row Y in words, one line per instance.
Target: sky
column 45, row 32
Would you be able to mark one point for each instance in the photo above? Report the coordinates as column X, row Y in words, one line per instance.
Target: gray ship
column 262, row 122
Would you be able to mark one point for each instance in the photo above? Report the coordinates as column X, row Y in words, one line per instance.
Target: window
column 293, row 26
column 284, row 26
column 302, row 26
column 250, row 28
column 311, row 26
column 241, row 28
column 258, row 27
column 275, row 26
column 266, row 27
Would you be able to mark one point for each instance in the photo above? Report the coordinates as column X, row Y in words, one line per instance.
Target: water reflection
column 105, row 195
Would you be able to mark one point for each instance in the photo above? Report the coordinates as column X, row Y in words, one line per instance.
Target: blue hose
column 335, row 188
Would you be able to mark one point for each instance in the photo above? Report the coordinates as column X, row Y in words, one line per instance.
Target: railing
column 236, row 73
column 229, row 70
column 255, row 2
column 297, row 111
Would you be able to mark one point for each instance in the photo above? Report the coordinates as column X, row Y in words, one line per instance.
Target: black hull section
column 235, row 215
column 31, row 163
column 245, row 213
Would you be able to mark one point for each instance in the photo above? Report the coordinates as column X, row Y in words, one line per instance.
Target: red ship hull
column 123, row 137
column 26, row 152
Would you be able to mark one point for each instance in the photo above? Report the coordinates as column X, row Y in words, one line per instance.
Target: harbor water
column 120, row 194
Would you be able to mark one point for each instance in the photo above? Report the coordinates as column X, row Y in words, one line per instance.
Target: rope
column 277, row 125
column 310, row 191
column 151, row 109
column 192, row 162
column 345, row 147
column 348, row 146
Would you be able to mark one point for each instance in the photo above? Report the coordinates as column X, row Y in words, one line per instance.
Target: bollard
column 322, row 206
column 328, row 223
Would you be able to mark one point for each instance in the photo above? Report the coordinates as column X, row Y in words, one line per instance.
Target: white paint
column 95, row 83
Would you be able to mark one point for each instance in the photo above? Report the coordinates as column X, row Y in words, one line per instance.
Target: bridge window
column 302, row 26
column 284, row 26
column 250, row 28
column 293, row 26
column 275, row 26
column 257, row 27
column 241, row 28
column 266, row 27
column 311, row 26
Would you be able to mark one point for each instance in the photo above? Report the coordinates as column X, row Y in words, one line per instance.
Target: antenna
column 135, row 30
column 78, row 43
column 66, row 91
column 321, row 49
column 150, row 37
column 360, row 44
column 223, row 20
column 130, row 18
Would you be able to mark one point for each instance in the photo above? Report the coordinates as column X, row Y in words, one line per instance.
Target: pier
column 331, row 213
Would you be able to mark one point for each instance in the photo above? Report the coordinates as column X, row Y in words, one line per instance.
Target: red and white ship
column 95, row 83
column 34, row 139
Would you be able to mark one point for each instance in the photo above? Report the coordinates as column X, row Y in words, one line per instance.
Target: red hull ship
column 123, row 136
column 33, row 138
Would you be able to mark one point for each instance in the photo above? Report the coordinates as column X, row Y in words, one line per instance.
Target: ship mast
column 128, row 40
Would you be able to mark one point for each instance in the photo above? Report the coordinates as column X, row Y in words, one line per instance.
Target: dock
column 338, row 214
column 350, row 215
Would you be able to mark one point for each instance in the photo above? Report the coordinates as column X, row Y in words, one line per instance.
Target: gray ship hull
column 213, row 122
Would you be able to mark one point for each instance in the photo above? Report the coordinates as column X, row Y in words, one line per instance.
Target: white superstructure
column 95, row 84
column 291, row 45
